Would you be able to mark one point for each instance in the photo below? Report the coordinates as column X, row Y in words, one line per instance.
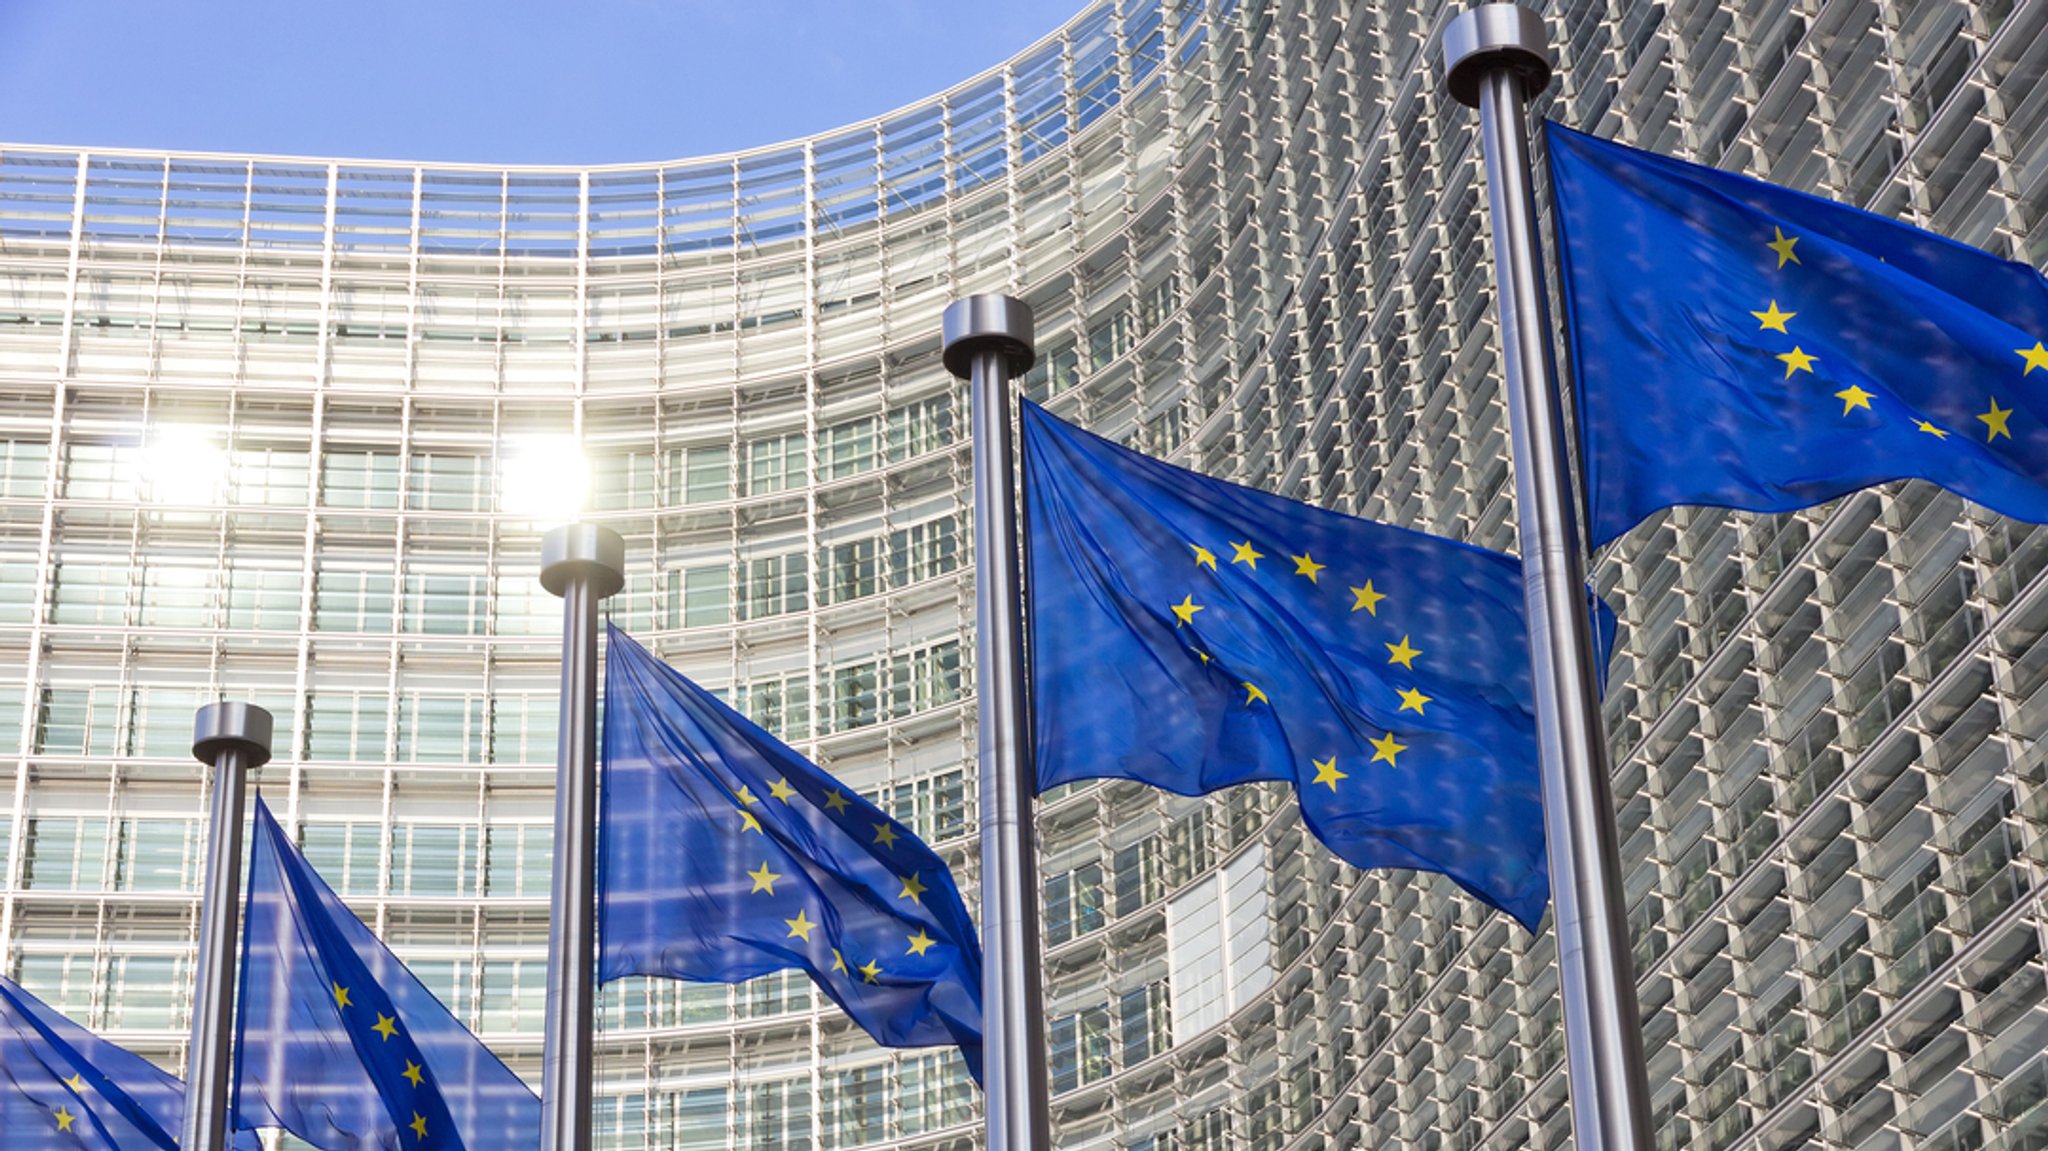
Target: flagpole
column 582, row 563
column 987, row 339
column 235, row 739
column 1496, row 58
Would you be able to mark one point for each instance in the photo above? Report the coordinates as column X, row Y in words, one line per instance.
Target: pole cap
column 1495, row 36
column 231, row 726
column 583, row 551
column 988, row 323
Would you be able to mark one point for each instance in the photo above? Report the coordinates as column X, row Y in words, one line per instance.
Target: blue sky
column 510, row 81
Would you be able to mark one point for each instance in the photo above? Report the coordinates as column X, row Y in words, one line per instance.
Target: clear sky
column 488, row 81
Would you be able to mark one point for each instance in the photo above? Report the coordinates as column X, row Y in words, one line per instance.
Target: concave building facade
column 265, row 423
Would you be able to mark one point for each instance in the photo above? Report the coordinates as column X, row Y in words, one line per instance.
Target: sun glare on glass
column 543, row 478
column 183, row 466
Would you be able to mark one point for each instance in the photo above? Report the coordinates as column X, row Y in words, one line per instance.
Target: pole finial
column 231, row 726
column 587, row 550
column 987, row 323
column 1495, row 36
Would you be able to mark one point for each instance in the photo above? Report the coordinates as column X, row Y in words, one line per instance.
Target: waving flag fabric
column 62, row 1088
column 1742, row 345
column 1192, row 634
column 342, row 1046
column 724, row 855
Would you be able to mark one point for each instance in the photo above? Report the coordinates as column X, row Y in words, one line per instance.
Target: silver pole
column 235, row 739
column 582, row 563
column 988, row 339
column 1495, row 57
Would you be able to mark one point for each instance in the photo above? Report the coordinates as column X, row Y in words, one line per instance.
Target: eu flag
column 1742, row 345
column 343, row 1047
column 724, row 855
column 62, row 1088
column 1193, row 634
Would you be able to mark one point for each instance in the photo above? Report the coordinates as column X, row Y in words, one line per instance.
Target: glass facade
column 261, row 419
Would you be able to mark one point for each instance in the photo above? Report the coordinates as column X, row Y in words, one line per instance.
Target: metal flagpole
column 235, row 739
column 988, row 339
column 582, row 563
column 1496, row 58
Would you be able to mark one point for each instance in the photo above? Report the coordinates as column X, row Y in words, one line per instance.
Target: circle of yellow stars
column 1996, row 419
column 1365, row 598
column 800, row 928
column 387, row 1027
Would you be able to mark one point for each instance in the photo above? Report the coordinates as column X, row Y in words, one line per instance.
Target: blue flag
column 724, row 855
column 62, row 1088
column 1193, row 634
column 1741, row 345
column 340, row 1045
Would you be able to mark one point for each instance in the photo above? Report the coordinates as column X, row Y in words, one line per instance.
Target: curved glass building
column 287, row 430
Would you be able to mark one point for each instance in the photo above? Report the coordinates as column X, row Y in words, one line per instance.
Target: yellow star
column 1253, row 695
column 781, row 789
column 1402, row 654
column 1326, row 772
column 764, row 879
column 800, row 927
column 1204, row 557
column 912, row 888
column 1386, row 749
column 885, row 835
column 1245, row 554
column 1204, row 656
column 386, row 1025
column 868, row 973
column 1783, row 247
column 1368, row 599
column 412, row 1073
column 1412, row 700
column 1185, row 610
column 64, row 1119
column 1995, row 421
column 1930, row 429
column 1854, row 397
column 835, row 801
column 76, row 1082
column 1303, row 565
column 838, row 960
column 1773, row 320
column 418, row 1125
column 747, row 796
column 920, row 943
column 2036, row 356
column 749, row 823
column 1797, row 360
column 341, row 996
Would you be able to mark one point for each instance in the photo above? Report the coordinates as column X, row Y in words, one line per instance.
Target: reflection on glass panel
column 433, row 859
column 445, row 603
column 157, row 855
column 274, row 477
column 24, row 468
column 347, row 855
column 850, row 570
column 775, row 464
column 448, row 482
column 160, row 721
column 353, row 601
column 848, row 448
column 699, row 474
column 707, row 597
column 90, row 593
column 518, row 858
column 264, row 599
column 142, row 992
column 776, row 585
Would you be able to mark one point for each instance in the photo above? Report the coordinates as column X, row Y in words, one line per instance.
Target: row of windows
column 362, row 478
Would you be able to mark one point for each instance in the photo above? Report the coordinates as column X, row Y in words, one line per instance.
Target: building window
column 781, row 705
column 935, row 806
column 853, row 1107
column 776, row 585
column 90, row 593
column 353, row 601
column 1073, row 903
column 435, row 728
column 24, row 468
column 66, row 853
column 849, row 448
column 271, row 477
column 78, row 721
column 707, row 596
column 156, row 855
column 445, row 603
column 924, row 678
column 359, row 478
column 623, row 481
column 933, row 1091
column 850, row 571
column 921, row 427
column 347, row 726
column 264, row 599
column 922, row 551
column 518, row 859
column 433, row 859
column 524, row 727
column 1080, row 1048
column 449, row 482
column 778, row 1116
column 1146, row 1017
column 854, row 700
column 349, row 856
column 700, row 474
column 775, row 464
